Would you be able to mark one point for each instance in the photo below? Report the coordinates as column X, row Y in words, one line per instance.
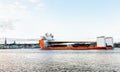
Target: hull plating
column 77, row 48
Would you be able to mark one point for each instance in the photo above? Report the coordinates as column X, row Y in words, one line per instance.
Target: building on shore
column 15, row 45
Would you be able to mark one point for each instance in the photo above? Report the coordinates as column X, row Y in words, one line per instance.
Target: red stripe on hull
column 78, row 48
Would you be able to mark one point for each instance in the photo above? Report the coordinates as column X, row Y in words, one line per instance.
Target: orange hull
column 78, row 48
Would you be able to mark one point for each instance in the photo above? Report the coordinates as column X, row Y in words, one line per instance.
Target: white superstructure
column 103, row 41
column 109, row 41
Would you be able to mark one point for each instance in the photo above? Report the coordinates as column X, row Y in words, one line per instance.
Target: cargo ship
column 48, row 43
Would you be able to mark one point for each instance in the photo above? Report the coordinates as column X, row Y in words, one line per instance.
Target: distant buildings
column 15, row 45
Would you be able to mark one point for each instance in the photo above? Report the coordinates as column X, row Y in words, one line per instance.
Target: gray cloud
column 7, row 25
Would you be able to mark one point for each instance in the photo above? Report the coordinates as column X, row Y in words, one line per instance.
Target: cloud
column 16, row 9
column 28, row 5
column 5, row 6
column 23, row 7
column 13, row 6
column 39, row 6
column 12, row 10
column 33, row 1
column 6, row 25
column 17, row 3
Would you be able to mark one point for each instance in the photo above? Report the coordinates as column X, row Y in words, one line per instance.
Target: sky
column 65, row 19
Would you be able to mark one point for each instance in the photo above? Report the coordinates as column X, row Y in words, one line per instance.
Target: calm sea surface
column 36, row 60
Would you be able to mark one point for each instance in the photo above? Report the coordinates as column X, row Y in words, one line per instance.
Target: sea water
column 36, row 60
